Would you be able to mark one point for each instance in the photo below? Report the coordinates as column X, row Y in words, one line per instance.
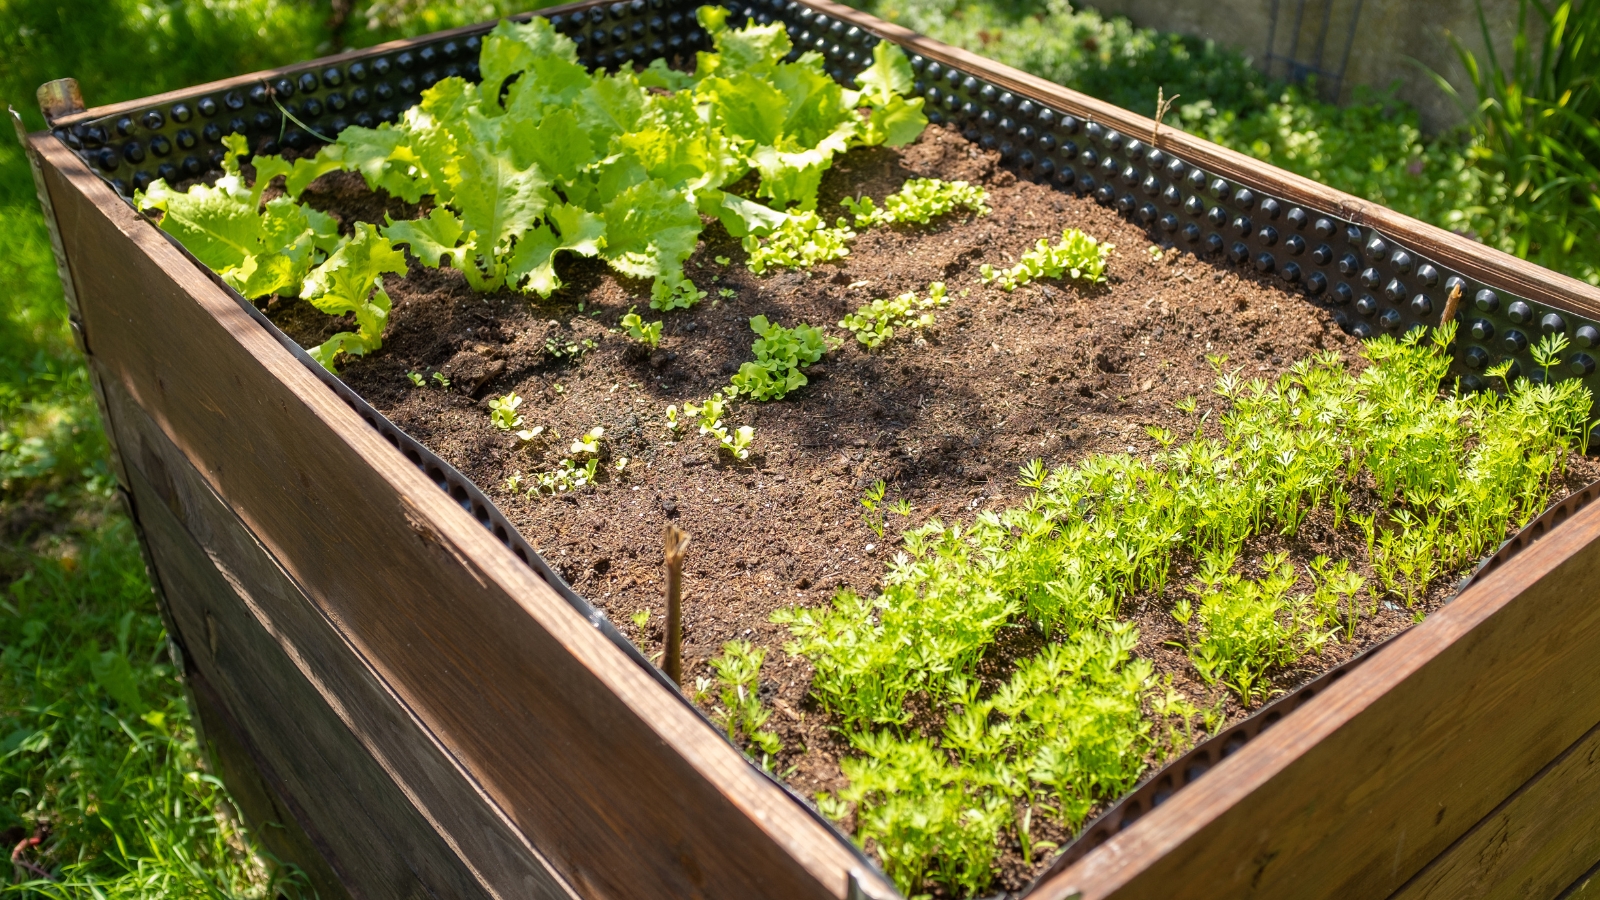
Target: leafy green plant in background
column 1537, row 118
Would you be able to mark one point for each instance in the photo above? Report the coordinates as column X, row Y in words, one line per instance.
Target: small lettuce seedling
column 503, row 412
column 876, row 322
column 646, row 333
column 710, row 413
column 416, row 379
column 780, row 355
column 919, row 200
column 589, row 442
column 1078, row 256
column 801, row 241
column 640, row 618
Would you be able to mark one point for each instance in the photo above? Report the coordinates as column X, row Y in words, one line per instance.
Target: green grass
column 96, row 748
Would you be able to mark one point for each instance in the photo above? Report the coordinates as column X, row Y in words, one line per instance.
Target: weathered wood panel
column 429, row 810
column 1533, row 845
column 585, row 753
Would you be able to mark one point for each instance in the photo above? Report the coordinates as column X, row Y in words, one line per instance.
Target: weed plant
column 1440, row 477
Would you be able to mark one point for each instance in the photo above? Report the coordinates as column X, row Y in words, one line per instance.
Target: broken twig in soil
column 677, row 543
column 1163, row 105
column 1451, row 305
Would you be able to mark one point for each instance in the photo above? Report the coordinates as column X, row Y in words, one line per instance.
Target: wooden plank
column 1463, row 254
column 1533, row 845
column 585, row 752
column 314, row 765
column 253, row 793
column 447, row 822
column 1355, row 791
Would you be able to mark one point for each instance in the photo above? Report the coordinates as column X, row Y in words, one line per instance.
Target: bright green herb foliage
column 1076, row 256
column 742, row 715
column 876, row 322
column 919, row 201
column 1454, row 472
column 780, row 355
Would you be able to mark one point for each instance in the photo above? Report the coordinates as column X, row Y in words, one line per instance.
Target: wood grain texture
column 1463, row 254
column 253, row 793
column 586, row 754
column 315, row 766
column 1356, row 791
column 442, row 822
column 1533, row 845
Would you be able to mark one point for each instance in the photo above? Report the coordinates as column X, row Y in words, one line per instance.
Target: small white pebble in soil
column 870, row 547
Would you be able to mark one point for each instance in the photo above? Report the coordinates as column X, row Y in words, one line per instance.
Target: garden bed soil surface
column 945, row 416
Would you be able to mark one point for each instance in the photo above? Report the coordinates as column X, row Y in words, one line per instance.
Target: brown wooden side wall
column 425, row 709
column 422, row 713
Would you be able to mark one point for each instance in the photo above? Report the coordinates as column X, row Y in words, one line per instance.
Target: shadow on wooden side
column 322, row 704
column 584, row 752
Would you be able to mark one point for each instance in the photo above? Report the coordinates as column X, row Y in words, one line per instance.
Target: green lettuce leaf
column 569, row 228
column 432, row 239
column 351, row 282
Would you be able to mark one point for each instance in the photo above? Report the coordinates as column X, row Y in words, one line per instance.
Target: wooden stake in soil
column 1451, row 304
column 677, row 542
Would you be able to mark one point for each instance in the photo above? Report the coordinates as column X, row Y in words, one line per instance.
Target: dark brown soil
column 1053, row 371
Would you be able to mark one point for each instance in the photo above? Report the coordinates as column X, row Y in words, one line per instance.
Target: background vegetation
column 104, row 791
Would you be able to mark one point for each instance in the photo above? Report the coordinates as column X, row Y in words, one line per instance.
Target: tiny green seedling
column 919, row 200
column 640, row 618
column 503, row 412
column 441, row 380
column 872, row 501
column 589, row 442
column 515, row 483
column 1077, row 256
column 902, row 508
column 416, row 379
column 722, row 260
column 646, row 333
column 727, row 293
column 877, row 322
column 529, row 435
column 801, row 241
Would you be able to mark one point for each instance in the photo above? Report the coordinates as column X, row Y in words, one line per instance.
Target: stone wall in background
column 1392, row 41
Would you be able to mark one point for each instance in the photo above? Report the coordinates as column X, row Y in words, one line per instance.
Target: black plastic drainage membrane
column 1372, row 283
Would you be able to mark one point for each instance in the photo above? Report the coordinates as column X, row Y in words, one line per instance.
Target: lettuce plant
column 919, row 201
column 503, row 412
column 1076, row 256
column 351, row 282
column 258, row 249
column 875, row 323
column 780, row 355
column 736, row 442
column 646, row 333
column 801, row 241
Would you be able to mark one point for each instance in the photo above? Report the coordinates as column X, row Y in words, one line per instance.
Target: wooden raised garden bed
column 384, row 666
